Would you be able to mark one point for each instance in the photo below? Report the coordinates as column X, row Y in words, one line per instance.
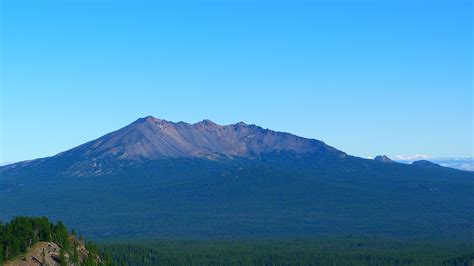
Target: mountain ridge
column 150, row 138
column 302, row 187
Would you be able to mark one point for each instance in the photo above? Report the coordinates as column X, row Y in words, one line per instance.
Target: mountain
column 151, row 138
column 383, row 159
column 425, row 163
column 159, row 178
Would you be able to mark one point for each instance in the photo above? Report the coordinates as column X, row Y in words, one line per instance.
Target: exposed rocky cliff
column 51, row 254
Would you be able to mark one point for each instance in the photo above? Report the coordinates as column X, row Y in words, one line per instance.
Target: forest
column 344, row 251
column 22, row 233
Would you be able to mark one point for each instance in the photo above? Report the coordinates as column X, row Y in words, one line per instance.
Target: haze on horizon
column 365, row 77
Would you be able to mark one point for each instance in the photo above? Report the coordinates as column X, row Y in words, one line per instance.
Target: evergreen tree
column 61, row 236
column 62, row 258
column 1, row 252
column 75, row 256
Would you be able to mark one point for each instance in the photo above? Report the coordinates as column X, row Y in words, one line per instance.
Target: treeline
column 23, row 232
column 286, row 252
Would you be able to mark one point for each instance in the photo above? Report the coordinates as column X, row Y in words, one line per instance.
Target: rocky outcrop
column 41, row 253
column 49, row 253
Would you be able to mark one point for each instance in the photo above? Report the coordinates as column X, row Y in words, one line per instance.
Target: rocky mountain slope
column 150, row 138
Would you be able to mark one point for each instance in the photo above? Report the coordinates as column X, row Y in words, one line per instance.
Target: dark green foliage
column 275, row 195
column 21, row 233
column 62, row 258
column 75, row 256
column 60, row 235
column 291, row 252
column 1, row 252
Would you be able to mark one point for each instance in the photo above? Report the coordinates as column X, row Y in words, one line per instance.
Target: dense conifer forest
column 21, row 233
column 349, row 251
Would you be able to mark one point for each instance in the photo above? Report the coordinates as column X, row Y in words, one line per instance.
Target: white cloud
column 466, row 164
column 415, row 157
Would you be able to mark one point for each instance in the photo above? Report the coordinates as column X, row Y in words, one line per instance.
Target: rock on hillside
column 49, row 253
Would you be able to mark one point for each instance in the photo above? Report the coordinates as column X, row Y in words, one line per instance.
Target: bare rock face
column 42, row 253
column 49, row 253
column 150, row 138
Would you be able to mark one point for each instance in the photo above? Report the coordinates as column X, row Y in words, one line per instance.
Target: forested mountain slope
column 158, row 178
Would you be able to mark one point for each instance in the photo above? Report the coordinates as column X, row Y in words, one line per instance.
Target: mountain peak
column 150, row 138
column 206, row 122
column 149, row 119
column 383, row 158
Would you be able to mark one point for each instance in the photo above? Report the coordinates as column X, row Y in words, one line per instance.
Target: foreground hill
column 158, row 178
column 28, row 241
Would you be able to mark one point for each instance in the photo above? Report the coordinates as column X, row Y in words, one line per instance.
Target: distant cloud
column 466, row 164
column 415, row 157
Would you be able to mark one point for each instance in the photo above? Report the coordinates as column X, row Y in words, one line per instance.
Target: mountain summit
column 383, row 159
column 151, row 138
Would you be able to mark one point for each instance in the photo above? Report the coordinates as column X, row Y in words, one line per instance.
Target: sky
column 367, row 77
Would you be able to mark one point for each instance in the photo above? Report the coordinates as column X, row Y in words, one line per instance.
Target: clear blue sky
column 365, row 77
